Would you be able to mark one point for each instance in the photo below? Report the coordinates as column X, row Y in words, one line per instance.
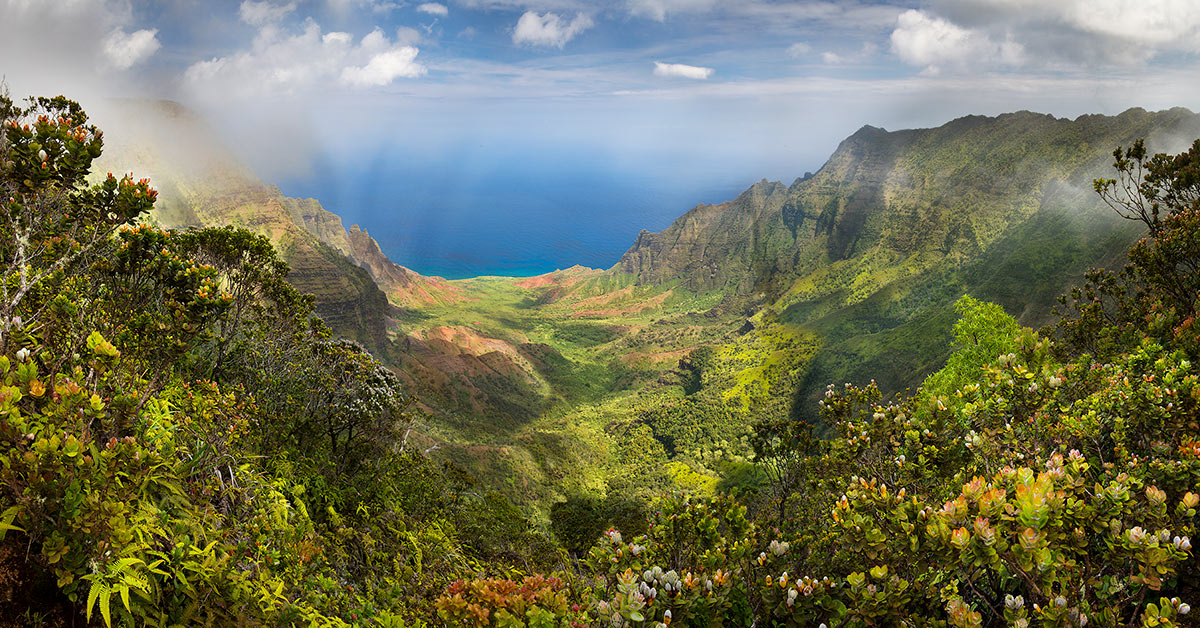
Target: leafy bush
column 182, row 441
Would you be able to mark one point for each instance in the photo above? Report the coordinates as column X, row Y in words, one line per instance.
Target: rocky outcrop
column 714, row 247
column 402, row 285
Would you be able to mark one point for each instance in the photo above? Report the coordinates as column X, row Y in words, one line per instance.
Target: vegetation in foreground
column 185, row 443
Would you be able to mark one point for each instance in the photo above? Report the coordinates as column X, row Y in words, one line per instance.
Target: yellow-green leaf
column 104, row 610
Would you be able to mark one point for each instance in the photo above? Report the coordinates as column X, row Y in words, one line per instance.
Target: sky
column 388, row 110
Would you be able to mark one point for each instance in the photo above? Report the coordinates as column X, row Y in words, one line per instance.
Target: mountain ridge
column 837, row 201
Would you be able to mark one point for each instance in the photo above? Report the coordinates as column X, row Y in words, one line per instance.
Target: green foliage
column 536, row 602
column 983, row 331
column 581, row 519
column 183, row 442
column 584, row 334
column 1155, row 294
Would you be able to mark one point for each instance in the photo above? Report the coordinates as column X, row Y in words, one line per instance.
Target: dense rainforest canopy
column 183, row 442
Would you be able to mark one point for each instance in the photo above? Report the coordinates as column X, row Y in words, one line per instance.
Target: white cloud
column 926, row 40
column 660, row 9
column 549, row 29
column 125, row 50
column 376, row 6
column 843, row 14
column 862, row 55
column 81, row 48
column 1150, row 22
column 263, row 12
column 679, row 70
column 534, row 5
column 1173, row 23
column 408, row 36
column 434, row 8
column 279, row 63
column 798, row 49
column 385, row 67
column 1035, row 34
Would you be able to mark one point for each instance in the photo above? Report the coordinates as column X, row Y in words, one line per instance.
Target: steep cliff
column 947, row 193
column 726, row 246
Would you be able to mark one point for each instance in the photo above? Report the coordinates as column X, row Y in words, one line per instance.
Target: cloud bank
column 282, row 63
column 71, row 46
column 1034, row 35
column 124, row 50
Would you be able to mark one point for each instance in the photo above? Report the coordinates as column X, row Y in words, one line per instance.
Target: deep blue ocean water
column 516, row 217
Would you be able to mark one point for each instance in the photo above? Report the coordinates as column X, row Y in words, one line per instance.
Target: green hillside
column 184, row 441
column 870, row 252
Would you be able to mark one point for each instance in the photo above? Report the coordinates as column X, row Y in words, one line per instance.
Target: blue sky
column 706, row 92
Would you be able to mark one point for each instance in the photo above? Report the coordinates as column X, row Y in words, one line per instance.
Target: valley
column 617, row 314
column 290, row 423
column 742, row 312
column 582, row 380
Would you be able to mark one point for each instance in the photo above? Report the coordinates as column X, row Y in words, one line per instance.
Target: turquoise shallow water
column 512, row 217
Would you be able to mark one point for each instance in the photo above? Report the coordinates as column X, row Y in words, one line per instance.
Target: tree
column 135, row 365
column 982, row 332
column 53, row 224
column 1156, row 292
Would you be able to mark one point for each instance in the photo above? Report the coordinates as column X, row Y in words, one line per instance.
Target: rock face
column 714, row 247
column 201, row 183
column 948, row 193
column 402, row 285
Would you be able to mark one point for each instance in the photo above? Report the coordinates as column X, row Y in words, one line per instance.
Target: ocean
column 516, row 217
